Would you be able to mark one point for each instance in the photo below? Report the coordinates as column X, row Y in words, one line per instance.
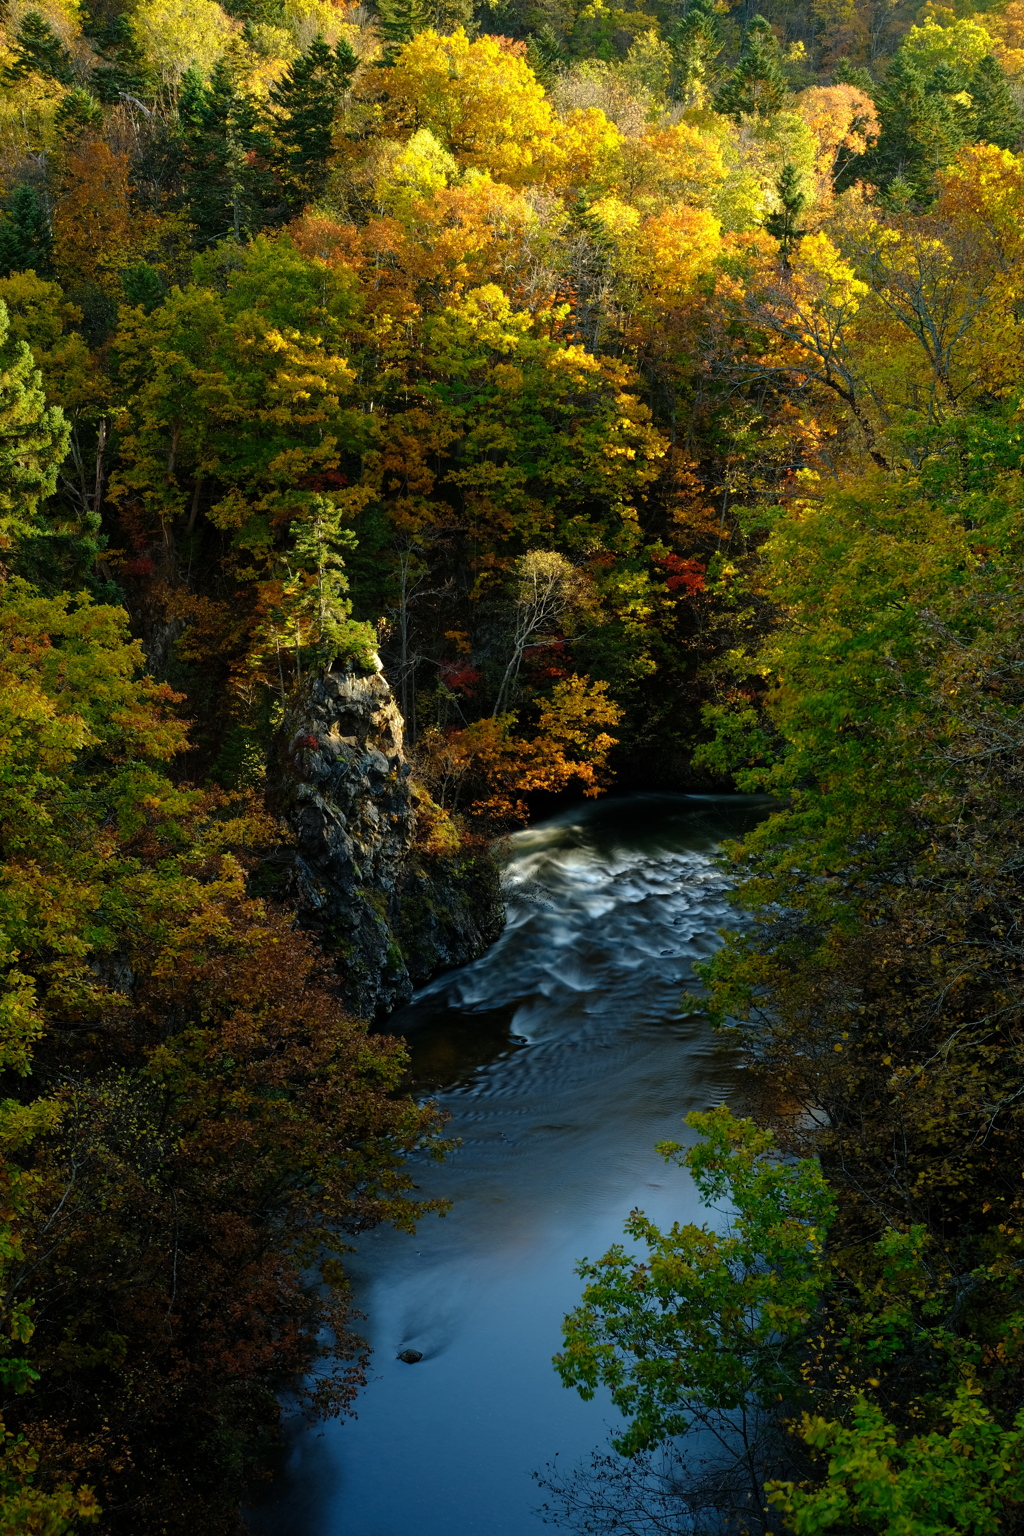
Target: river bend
column 562, row 1058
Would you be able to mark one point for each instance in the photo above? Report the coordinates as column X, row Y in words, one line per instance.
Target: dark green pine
column 398, row 22
column 757, row 86
column 545, row 53
column 783, row 226
column 307, row 101
column 77, row 113
column 33, row 438
column 124, row 72
column 229, row 188
column 920, row 132
column 995, row 117
column 39, row 51
column 696, row 42
column 25, row 233
column 143, row 286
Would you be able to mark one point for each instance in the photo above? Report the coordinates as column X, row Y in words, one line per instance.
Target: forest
column 644, row 389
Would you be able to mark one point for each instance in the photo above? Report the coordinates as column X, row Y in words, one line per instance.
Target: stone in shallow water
column 410, row 1356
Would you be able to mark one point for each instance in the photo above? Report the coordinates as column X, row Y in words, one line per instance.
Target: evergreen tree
column 34, row 438
column 994, row 116
column 78, row 111
column 306, row 100
column 316, row 607
column 25, row 239
column 398, row 22
column 192, row 101
column 757, row 86
column 783, row 225
column 229, row 189
column 125, row 71
column 270, row 12
column 696, row 42
column 846, row 73
column 920, row 132
column 39, row 51
column 545, row 54
column 143, row 286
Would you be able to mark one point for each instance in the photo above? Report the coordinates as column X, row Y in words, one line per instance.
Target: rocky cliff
column 375, row 868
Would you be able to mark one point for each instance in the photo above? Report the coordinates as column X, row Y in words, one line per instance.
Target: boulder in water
column 410, row 1356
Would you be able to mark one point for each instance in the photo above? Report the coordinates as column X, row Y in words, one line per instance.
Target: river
column 562, row 1058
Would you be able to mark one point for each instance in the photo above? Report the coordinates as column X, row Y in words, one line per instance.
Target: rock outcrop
column 375, row 868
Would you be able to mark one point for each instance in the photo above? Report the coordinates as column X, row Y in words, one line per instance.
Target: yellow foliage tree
column 183, row 34
column 480, row 99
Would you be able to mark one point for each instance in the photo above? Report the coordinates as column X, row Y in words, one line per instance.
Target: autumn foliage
column 643, row 389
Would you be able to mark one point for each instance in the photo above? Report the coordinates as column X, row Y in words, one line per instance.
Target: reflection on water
column 562, row 1059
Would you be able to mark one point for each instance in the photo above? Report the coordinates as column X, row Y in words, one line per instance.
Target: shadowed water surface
column 561, row 1058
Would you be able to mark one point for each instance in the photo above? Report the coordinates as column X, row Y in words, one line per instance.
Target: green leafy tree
column 39, row 51
column 757, row 86
column 707, row 1331
column 306, row 99
column 966, row 1476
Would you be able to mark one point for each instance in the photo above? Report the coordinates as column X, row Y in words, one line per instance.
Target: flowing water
column 562, row 1058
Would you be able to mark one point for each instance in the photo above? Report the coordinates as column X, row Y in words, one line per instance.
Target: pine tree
column 39, row 51
column 229, row 189
column 783, row 225
column 398, row 22
column 25, row 238
column 920, row 133
column 845, row 73
column 696, row 43
column 994, row 117
column 545, row 53
column 125, row 72
column 306, row 100
column 34, row 438
column 757, row 86
column 192, row 100
column 143, row 286
column 77, row 112
column 317, row 608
